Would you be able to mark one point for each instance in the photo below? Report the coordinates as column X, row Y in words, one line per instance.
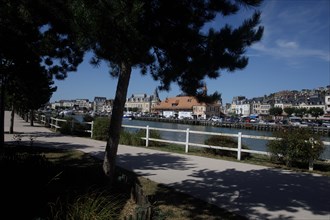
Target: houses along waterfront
column 184, row 107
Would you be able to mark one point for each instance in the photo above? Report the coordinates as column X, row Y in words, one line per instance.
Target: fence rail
column 54, row 123
column 187, row 144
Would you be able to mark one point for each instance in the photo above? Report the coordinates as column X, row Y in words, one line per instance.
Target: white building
column 107, row 106
column 327, row 102
column 242, row 109
column 142, row 102
column 98, row 104
column 82, row 103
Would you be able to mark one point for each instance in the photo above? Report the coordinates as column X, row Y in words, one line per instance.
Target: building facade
column 142, row 102
column 187, row 107
column 98, row 104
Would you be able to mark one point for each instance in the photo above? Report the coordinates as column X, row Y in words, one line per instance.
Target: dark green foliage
column 128, row 138
column 37, row 41
column 88, row 118
column 295, row 146
column 316, row 112
column 276, row 111
column 289, row 110
column 73, row 127
column 300, row 112
column 165, row 38
column 101, row 128
column 87, row 206
column 224, row 141
column 135, row 138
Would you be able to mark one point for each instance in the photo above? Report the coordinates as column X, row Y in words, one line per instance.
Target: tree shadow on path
column 279, row 194
column 153, row 161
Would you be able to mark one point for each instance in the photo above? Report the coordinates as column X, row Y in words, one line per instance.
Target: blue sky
column 294, row 54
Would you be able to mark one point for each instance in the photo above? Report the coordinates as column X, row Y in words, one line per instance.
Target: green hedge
column 135, row 138
column 101, row 128
column 224, row 141
column 73, row 127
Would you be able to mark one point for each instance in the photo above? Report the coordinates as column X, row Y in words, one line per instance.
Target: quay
column 248, row 126
column 254, row 191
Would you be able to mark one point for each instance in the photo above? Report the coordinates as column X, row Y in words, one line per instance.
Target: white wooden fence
column 187, row 143
column 54, row 123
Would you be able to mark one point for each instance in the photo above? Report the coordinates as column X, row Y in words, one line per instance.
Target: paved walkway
column 256, row 192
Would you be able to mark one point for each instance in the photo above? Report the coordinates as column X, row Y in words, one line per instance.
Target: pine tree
column 36, row 33
column 165, row 39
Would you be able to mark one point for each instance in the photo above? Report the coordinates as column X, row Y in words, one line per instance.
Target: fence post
column 187, row 140
column 239, row 145
column 311, row 160
column 72, row 125
column 147, row 136
column 56, row 123
column 92, row 126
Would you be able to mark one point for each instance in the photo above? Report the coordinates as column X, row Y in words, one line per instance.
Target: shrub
column 66, row 127
column 224, row 141
column 128, row 138
column 92, row 205
column 135, row 138
column 152, row 134
column 101, row 128
column 295, row 146
column 88, row 118
column 73, row 127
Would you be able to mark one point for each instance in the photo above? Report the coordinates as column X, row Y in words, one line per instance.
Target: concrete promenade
column 256, row 192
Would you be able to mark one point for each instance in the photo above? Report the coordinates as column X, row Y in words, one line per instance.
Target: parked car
column 271, row 122
column 216, row 119
column 326, row 124
column 303, row 124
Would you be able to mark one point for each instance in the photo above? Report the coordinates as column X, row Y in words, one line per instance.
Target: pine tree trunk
column 12, row 115
column 26, row 116
column 109, row 162
column 2, row 111
column 31, row 117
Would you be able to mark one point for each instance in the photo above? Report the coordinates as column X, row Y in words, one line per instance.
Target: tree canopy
column 36, row 33
column 276, row 111
column 289, row 110
column 164, row 38
column 316, row 112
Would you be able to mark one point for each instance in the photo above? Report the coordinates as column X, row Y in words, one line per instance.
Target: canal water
column 253, row 144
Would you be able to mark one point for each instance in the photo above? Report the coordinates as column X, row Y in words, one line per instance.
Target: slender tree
column 165, row 38
column 316, row 112
column 289, row 110
column 276, row 111
column 301, row 112
column 44, row 33
column 30, row 89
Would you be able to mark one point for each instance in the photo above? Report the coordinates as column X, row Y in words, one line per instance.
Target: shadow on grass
column 33, row 178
